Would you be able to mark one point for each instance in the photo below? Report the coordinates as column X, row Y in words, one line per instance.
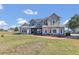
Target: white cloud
column 13, row 26
column 36, row 12
column 66, row 21
column 1, row 7
column 3, row 23
column 21, row 21
column 30, row 12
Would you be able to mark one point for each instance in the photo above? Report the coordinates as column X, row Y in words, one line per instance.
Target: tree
column 16, row 29
column 1, row 29
column 71, row 24
column 74, row 22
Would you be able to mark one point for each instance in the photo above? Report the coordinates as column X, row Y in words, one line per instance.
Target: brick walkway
column 50, row 37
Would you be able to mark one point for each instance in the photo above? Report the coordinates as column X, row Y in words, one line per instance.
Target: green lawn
column 31, row 45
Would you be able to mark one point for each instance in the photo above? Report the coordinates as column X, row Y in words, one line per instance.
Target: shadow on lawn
column 16, row 33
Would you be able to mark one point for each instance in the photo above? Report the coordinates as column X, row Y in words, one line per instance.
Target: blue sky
column 14, row 14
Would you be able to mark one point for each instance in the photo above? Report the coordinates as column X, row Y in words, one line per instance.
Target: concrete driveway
column 74, row 36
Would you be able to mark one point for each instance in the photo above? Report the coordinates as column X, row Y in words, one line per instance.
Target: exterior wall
column 58, row 30
column 46, row 30
column 49, row 25
column 24, row 30
column 53, row 21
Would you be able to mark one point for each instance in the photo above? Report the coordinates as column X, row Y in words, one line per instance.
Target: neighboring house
column 11, row 30
column 47, row 26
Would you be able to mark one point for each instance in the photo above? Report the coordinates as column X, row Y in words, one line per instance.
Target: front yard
column 35, row 45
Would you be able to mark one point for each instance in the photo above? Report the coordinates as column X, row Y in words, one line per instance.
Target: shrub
column 2, row 35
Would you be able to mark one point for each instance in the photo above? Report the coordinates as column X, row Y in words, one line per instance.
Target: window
column 45, row 31
column 50, row 31
column 53, row 22
column 45, row 22
column 24, row 30
column 38, row 30
column 54, row 31
column 61, row 30
column 38, row 24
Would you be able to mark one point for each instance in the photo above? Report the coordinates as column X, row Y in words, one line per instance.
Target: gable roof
column 46, row 18
column 42, row 20
column 54, row 14
column 36, row 20
column 25, row 24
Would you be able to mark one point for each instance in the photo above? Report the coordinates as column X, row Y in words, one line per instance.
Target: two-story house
column 47, row 26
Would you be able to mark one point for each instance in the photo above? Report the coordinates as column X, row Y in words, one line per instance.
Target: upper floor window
column 53, row 22
column 32, row 23
column 38, row 24
column 45, row 22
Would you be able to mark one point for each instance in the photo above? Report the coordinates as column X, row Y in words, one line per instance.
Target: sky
column 12, row 15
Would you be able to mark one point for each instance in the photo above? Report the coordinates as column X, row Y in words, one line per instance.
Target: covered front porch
column 52, row 30
column 36, row 31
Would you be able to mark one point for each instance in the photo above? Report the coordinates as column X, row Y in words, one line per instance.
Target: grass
column 12, row 44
